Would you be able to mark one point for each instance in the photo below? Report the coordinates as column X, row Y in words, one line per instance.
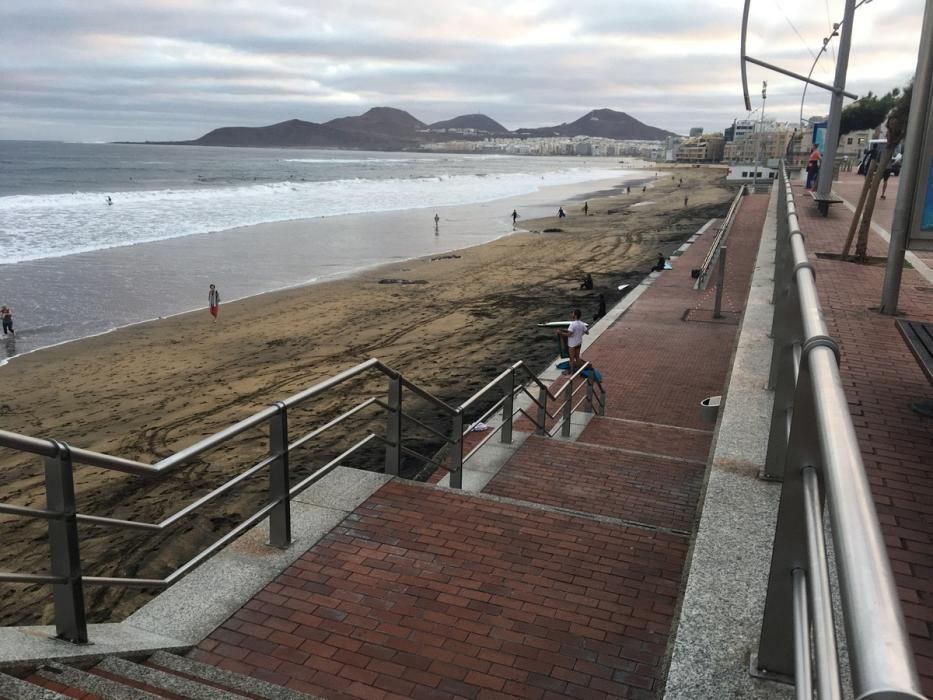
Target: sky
column 174, row 69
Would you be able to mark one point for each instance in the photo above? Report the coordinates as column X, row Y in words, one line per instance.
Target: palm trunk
column 869, row 177
column 861, row 245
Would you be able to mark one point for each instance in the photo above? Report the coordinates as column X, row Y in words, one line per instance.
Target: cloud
column 173, row 69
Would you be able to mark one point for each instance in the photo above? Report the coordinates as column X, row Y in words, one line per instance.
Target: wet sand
column 146, row 391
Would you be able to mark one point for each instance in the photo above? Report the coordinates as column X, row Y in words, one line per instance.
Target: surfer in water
column 109, row 201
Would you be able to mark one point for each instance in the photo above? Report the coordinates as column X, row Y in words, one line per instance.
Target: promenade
column 565, row 576
column 562, row 578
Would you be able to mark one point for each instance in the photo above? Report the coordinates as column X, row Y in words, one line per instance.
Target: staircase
column 162, row 675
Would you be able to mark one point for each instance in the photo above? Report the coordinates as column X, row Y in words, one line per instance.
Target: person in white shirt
column 574, row 336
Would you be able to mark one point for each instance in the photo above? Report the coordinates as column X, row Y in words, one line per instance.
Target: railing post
column 456, row 451
column 541, row 428
column 394, row 426
column 68, row 597
column 776, row 647
column 720, row 282
column 568, row 408
column 508, row 408
column 280, row 518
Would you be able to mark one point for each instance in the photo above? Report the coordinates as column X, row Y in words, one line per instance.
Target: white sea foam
column 42, row 226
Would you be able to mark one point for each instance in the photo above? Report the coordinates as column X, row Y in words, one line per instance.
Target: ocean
column 73, row 264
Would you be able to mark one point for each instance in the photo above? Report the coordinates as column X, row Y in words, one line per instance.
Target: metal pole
column 508, row 408
column 821, row 605
column 280, row 518
column 825, row 181
column 394, row 426
column 542, row 412
column 803, row 671
column 720, row 281
column 568, row 409
column 456, row 451
column 68, row 597
column 910, row 166
column 761, row 126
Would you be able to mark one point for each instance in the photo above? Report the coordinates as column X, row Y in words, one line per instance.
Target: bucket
column 709, row 408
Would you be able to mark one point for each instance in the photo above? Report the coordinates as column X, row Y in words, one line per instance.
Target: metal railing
column 722, row 233
column 66, row 575
column 813, row 449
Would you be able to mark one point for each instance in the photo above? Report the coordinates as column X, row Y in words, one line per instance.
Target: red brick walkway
column 565, row 588
column 881, row 378
column 424, row 593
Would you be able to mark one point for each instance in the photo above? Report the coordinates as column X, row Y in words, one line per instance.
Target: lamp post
column 761, row 126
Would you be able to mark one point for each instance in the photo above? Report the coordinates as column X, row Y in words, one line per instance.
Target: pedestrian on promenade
column 6, row 314
column 813, row 166
column 659, row 265
column 514, row 217
column 884, row 180
column 213, row 301
column 574, row 336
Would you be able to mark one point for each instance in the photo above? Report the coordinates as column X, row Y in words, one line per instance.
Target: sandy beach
column 448, row 323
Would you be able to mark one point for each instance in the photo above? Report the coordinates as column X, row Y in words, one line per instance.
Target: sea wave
column 41, row 226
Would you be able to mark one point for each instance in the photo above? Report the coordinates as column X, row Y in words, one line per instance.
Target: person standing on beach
column 437, row 223
column 6, row 315
column 514, row 217
column 560, row 213
column 586, row 208
column 213, row 301
column 686, row 199
column 574, row 336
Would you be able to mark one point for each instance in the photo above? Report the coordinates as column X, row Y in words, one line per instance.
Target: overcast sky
column 173, row 69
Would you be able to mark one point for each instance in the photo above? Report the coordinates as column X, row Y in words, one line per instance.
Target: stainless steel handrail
column 67, row 576
column 813, row 444
column 721, row 234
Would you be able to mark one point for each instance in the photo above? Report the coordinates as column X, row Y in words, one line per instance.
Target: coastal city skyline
column 149, row 72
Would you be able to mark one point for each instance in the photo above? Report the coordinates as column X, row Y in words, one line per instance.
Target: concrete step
column 168, row 684
column 252, row 687
column 90, row 683
column 12, row 688
column 641, row 489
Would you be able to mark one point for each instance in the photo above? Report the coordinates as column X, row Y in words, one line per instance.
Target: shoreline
column 469, row 226
column 146, row 391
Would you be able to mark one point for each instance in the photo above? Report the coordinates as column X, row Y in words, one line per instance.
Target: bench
column 823, row 201
column 919, row 338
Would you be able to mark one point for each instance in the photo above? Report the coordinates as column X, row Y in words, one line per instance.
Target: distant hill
column 291, row 134
column 477, row 122
column 380, row 120
column 387, row 128
column 379, row 128
column 602, row 122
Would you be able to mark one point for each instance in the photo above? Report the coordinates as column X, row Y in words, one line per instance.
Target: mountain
column 476, row 122
column 602, row 122
column 386, row 121
column 380, row 128
column 290, row 134
column 387, row 128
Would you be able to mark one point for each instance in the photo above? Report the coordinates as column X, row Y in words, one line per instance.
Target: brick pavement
column 428, row 593
column 652, row 490
column 881, row 378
